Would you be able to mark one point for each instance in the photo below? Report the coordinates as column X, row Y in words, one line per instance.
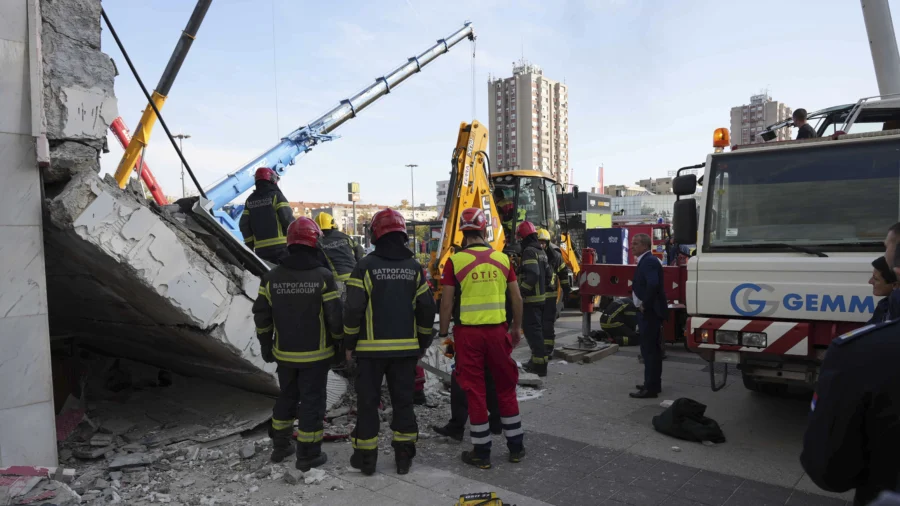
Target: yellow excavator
column 507, row 198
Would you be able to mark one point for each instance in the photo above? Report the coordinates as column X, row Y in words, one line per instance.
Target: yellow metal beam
column 138, row 141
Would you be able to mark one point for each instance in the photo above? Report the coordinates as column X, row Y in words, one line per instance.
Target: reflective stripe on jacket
column 340, row 252
column 298, row 308
column 390, row 309
column 534, row 273
column 481, row 275
column 266, row 217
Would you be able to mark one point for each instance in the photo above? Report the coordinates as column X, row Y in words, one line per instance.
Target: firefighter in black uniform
column 299, row 305
column 534, row 278
column 619, row 321
column 266, row 217
column 388, row 322
column 559, row 272
column 852, row 437
column 340, row 251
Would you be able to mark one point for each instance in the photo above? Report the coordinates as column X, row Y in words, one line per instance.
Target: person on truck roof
column 805, row 130
column 884, row 283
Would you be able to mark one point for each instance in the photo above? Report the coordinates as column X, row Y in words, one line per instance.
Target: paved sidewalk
column 590, row 444
column 565, row 472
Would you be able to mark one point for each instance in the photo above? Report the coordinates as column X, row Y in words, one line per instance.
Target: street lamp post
column 412, row 189
column 181, row 138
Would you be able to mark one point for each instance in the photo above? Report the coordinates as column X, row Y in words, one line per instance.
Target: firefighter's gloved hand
column 265, row 348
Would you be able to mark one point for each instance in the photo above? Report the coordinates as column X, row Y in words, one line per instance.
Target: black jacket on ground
column 340, row 252
column 685, row 419
column 852, row 438
column 298, row 306
column 390, row 309
column 534, row 274
column 266, row 217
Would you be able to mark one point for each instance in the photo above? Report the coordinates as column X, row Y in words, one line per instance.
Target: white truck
column 786, row 233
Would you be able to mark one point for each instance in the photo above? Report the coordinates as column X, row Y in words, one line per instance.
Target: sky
column 649, row 80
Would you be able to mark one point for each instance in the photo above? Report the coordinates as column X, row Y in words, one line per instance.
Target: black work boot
column 448, row 431
column 419, row 398
column 404, row 453
column 310, row 455
column 516, row 456
column 470, row 458
column 364, row 460
column 281, row 444
column 539, row 369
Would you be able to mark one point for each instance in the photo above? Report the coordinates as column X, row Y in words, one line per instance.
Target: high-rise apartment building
column 442, row 187
column 529, row 123
column 749, row 120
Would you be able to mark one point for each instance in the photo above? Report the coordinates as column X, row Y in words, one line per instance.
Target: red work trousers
column 420, row 379
column 488, row 346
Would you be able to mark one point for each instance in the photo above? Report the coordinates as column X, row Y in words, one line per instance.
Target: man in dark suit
column 650, row 299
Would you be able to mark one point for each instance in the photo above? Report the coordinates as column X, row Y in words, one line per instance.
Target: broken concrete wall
column 123, row 279
column 128, row 281
column 79, row 101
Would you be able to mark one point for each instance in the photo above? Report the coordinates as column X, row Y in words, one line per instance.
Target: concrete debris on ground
column 176, row 442
column 36, row 485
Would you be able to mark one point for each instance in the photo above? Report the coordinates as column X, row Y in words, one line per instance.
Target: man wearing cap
column 298, row 316
column 388, row 325
column 475, row 283
column 266, row 217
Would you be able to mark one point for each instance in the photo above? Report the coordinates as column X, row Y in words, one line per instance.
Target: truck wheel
column 750, row 383
column 774, row 389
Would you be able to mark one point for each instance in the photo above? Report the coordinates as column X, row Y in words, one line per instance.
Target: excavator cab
column 507, row 198
column 525, row 195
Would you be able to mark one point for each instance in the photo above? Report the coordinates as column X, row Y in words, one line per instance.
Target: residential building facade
column 442, row 187
column 747, row 121
column 658, row 185
column 529, row 123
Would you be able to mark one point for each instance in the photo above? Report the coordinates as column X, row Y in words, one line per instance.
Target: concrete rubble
column 154, row 320
column 124, row 277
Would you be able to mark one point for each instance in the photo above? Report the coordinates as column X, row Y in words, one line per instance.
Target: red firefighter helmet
column 266, row 174
column 386, row 221
column 472, row 218
column 525, row 229
column 303, row 231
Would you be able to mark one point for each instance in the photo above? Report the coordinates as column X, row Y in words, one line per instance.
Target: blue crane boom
column 319, row 130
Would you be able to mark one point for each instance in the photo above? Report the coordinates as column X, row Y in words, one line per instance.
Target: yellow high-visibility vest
column 481, row 275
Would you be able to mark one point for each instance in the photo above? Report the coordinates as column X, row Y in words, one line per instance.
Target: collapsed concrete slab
column 128, row 279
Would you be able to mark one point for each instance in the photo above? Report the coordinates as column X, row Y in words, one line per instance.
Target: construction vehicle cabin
column 507, row 198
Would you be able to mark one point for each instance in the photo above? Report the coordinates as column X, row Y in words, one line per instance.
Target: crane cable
column 275, row 76
column 473, row 79
column 162, row 122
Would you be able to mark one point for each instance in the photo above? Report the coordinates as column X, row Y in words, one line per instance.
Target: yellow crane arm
column 470, row 186
column 142, row 132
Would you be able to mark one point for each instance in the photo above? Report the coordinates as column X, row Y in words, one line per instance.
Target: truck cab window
column 844, row 195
